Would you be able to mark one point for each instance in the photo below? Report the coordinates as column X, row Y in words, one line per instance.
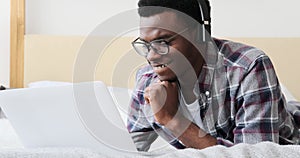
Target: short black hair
column 189, row 7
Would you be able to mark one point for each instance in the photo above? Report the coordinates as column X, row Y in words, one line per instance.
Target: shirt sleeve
column 260, row 107
column 138, row 126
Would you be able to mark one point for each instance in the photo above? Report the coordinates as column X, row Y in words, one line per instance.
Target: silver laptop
column 77, row 115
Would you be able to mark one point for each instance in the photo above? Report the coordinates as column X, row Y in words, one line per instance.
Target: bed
column 10, row 145
column 260, row 150
column 51, row 58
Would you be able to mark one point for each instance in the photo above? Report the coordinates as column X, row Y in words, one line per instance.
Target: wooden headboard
column 52, row 58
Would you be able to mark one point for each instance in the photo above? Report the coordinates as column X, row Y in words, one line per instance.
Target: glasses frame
column 149, row 45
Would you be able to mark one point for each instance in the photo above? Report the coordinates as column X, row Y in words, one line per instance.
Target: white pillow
column 47, row 84
column 288, row 95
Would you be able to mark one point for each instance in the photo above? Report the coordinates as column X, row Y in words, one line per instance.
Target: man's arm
column 190, row 134
column 163, row 99
column 261, row 113
column 140, row 130
column 143, row 135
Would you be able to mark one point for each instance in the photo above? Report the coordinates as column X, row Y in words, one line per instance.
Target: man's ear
column 196, row 37
column 194, row 34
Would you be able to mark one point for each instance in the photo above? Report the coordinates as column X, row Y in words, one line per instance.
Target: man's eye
column 160, row 42
column 163, row 42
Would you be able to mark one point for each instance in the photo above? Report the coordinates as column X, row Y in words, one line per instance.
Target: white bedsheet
column 261, row 150
column 8, row 137
column 10, row 147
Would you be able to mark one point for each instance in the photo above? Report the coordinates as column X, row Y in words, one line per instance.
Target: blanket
column 260, row 150
column 10, row 147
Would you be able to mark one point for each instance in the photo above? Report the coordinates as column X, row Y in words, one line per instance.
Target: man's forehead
column 165, row 20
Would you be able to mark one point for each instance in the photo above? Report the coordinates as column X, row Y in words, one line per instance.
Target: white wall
column 4, row 42
column 256, row 18
column 71, row 17
column 231, row 18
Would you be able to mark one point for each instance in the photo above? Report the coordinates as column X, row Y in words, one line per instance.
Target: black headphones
column 203, row 34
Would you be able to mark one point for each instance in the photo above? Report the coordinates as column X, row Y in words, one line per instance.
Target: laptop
column 77, row 115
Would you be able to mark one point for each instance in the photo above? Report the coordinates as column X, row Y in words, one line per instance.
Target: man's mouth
column 160, row 66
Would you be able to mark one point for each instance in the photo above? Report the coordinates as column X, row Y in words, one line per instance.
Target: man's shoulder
column 238, row 54
column 145, row 71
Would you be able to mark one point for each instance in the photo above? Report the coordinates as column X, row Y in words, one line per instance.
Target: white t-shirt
column 191, row 111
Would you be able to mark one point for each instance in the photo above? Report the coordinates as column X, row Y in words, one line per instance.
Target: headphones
column 202, row 32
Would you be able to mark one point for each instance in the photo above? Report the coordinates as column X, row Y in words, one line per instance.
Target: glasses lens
column 160, row 47
column 140, row 48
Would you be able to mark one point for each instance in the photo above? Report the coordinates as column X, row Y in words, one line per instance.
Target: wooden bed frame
column 17, row 32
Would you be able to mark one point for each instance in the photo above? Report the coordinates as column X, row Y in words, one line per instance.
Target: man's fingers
column 159, row 90
column 146, row 95
column 147, row 99
column 169, row 85
column 156, row 96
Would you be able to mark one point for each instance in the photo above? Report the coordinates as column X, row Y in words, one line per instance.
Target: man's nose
column 152, row 55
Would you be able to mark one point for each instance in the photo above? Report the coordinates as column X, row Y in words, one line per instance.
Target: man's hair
column 189, row 7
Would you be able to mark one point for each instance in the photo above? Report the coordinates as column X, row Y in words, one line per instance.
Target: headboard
column 49, row 57
column 54, row 57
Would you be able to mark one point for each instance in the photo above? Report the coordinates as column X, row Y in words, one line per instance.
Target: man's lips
column 159, row 66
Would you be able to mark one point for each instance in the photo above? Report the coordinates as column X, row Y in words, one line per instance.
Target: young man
column 200, row 91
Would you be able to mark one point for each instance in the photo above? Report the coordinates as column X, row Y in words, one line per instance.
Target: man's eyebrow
column 164, row 36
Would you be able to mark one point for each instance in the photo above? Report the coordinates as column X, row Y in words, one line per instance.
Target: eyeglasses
column 160, row 46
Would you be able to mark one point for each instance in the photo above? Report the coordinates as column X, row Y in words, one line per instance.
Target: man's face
column 183, row 57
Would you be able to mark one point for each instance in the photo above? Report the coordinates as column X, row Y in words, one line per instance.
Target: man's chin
column 166, row 78
column 167, row 75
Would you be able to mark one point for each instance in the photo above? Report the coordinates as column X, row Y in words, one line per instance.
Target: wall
column 231, row 18
column 71, row 17
column 268, row 24
column 4, row 42
column 256, row 18
column 277, row 25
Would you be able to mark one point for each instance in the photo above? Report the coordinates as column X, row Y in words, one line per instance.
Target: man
column 198, row 91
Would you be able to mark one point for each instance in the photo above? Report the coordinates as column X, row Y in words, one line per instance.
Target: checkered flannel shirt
column 249, row 107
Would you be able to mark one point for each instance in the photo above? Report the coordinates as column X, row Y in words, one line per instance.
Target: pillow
column 47, row 84
column 288, row 95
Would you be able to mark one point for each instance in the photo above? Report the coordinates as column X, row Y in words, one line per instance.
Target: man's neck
column 187, row 84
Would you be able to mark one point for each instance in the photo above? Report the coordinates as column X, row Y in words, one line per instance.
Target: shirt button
column 207, row 93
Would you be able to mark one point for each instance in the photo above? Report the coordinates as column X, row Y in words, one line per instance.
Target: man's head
column 169, row 31
column 189, row 7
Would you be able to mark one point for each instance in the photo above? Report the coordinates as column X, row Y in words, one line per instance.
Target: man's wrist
column 189, row 133
column 178, row 124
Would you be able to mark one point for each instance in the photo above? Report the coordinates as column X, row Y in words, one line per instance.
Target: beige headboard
column 53, row 57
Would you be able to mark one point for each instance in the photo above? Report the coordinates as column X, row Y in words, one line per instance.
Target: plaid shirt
column 247, row 106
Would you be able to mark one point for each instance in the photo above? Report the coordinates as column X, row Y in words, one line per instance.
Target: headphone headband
column 205, row 18
column 205, row 21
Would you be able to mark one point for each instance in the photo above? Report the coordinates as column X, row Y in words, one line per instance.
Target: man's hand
column 163, row 99
column 162, row 96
